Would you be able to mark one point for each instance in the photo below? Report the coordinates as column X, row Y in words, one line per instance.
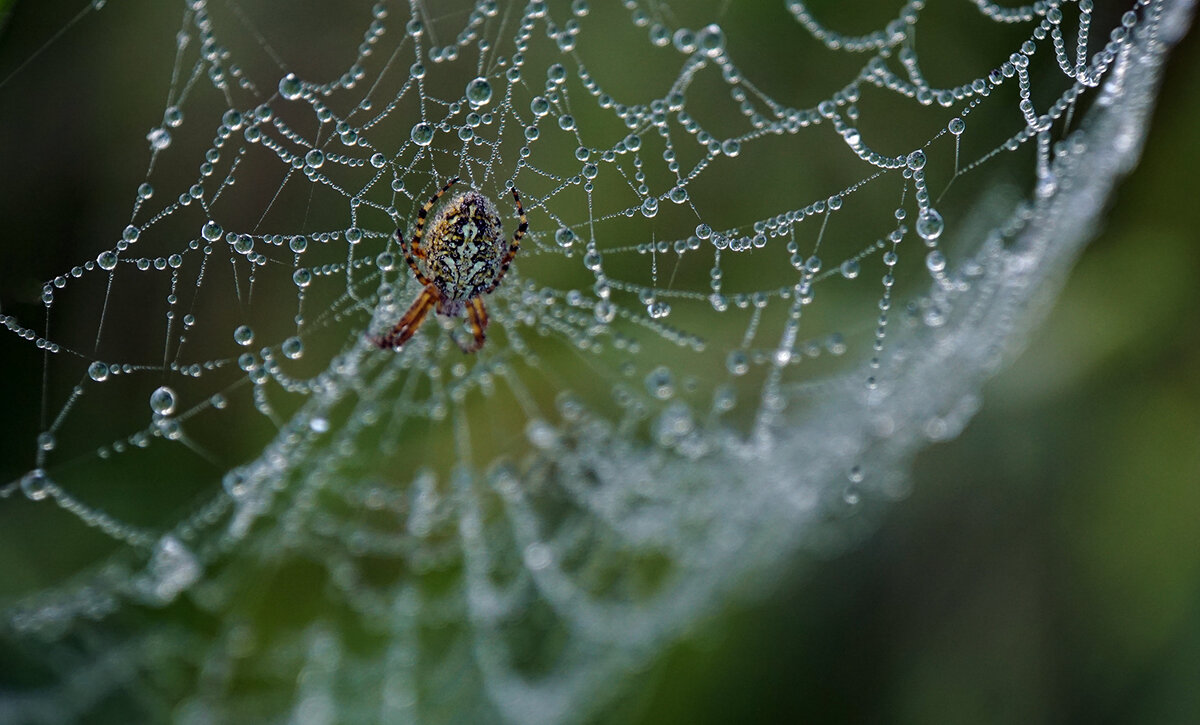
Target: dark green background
column 1046, row 568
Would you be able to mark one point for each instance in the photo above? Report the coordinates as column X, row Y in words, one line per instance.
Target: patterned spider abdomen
column 464, row 247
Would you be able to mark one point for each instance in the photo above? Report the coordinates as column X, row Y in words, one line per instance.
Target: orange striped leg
column 407, row 326
column 412, row 263
column 477, row 315
column 414, row 247
column 514, row 246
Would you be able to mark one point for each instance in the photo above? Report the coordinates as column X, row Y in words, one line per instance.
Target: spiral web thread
column 688, row 409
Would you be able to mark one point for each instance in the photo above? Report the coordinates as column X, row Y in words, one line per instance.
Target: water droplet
column 660, row 383
column 679, row 195
column 916, row 160
column 850, row 269
column 162, row 401
column 724, row 398
column 46, row 441
column 479, row 92
column 172, row 569
column 541, row 434
column 233, row 119
column 290, row 87
column 935, row 261
column 159, row 138
column 711, row 40
column 422, row 134
column 537, row 556
column 211, row 231
column 107, row 260
column 293, row 348
column 650, row 207
column 35, row 485
column 314, row 158
column 737, row 362
column 605, row 311
column 930, row 225
column 957, row 126
column 243, row 335
column 98, row 371
column 674, row 423
column 684, row 40
column 302, row 277
column 234, row 483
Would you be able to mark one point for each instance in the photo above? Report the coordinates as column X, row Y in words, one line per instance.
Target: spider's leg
column 412, row 263
column 415, row 244
column 407, row 326
column 522, row 227
column 477, row 315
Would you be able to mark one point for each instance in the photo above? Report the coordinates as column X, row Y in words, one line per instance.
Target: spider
column 465, row 258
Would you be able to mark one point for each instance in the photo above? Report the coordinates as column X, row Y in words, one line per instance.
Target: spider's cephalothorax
column 464, row 258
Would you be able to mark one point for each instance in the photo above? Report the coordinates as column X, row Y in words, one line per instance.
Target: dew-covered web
column 774, row 248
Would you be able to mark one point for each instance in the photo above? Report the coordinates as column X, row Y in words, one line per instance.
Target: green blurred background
column 1046, row 567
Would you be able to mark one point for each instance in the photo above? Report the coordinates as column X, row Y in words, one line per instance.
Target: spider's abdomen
column 464, row 246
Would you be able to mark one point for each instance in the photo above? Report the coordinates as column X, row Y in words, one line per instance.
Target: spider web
column 767, row 262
